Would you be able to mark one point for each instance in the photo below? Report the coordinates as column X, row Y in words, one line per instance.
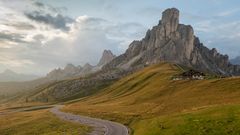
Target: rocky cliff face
column 69, row 71
column 87, row 68
column 107, row 56
column 173, row 42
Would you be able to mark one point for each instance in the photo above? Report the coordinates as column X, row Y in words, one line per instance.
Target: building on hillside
column 190, row 75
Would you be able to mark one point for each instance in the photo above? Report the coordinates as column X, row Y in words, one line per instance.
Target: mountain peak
column 8, row 71
column 170, row 19
column 170, row 13
column 107, row 56
column 87, row 66
column 69, row 66
column 67, row 72
column 71, row 69
column 172, row 42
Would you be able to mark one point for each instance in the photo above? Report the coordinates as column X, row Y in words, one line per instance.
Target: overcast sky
column 37, row 36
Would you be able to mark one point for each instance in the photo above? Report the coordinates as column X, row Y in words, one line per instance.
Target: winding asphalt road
column 100, row 127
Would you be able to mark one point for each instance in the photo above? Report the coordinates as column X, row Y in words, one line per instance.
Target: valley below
column 148, row 102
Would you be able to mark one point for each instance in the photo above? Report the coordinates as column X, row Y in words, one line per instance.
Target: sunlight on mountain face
column 153, row 67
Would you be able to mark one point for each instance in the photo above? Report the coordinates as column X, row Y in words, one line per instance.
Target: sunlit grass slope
column 151, row 93
column 224, row 120
column 38, row 123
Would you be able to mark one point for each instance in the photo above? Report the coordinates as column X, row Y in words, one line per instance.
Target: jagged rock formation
column 87, row 68
column 69, row 71
column 78, row 71
column 107, row 56
column 235, row 60
column 173, row 42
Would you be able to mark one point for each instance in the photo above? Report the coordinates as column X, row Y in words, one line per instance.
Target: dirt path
column 100, row 127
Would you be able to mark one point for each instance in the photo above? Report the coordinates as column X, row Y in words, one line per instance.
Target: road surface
column 100, row 127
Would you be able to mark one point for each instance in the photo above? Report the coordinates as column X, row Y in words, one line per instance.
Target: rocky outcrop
column 87, row 68
column 71, row 71
column 170, row 20
column 59, row 74
column 66, row 89
column 107, row 56
column 77, row 87
column 172, row 42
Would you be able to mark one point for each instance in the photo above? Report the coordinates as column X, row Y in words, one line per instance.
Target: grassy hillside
column 150, row 95
column 222, row 120
column 67, row 90
column 18, row 91
column 38, row 123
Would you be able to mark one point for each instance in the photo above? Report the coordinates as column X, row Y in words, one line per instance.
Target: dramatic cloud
column 58, row 21
column 13, row 37
column 44, row 40
column 39, row 4
column 20, row 25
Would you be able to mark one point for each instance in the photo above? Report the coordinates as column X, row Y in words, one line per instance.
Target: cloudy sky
column 39, row 35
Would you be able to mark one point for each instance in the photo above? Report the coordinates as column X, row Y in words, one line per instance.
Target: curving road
column 100, row 127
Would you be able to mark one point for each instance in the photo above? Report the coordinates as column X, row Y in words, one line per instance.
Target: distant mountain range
column 71, row 70
column 11, row 76
column 12, row 83
column 235, row 60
